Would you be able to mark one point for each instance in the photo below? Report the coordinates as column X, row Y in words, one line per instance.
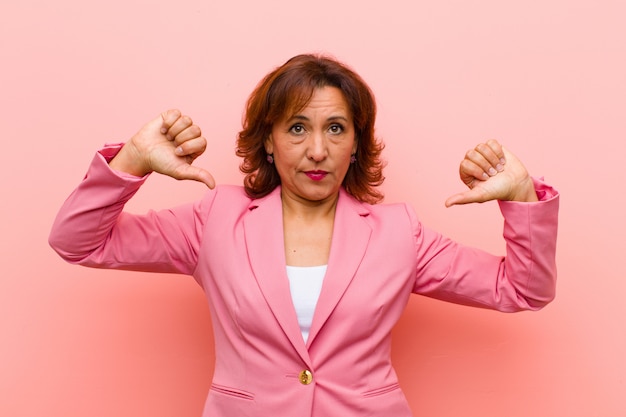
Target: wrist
column 525, row 192
column 128, row 161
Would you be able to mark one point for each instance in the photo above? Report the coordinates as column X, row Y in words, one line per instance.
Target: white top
column 305, row 284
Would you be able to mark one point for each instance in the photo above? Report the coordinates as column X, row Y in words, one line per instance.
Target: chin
column 317, row 195
column 323, row 196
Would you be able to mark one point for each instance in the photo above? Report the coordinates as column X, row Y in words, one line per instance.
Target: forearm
column 530, row 231
column 524, row 279
column 86, row 218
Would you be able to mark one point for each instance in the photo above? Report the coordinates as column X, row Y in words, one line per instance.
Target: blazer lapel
column 350, row 239
column 266, row 248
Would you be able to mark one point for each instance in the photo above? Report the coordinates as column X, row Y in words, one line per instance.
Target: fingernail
column 492, row 172
column 179, row 150
column 163, row 130
column 485, row 176
column 502, row 161
column 499, row 167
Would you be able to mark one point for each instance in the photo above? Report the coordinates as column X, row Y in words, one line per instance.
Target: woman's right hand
column 167, row 145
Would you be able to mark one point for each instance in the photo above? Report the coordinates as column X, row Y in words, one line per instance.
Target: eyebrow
column 331, row 118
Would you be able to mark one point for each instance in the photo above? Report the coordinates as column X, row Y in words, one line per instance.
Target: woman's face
column 312, row 148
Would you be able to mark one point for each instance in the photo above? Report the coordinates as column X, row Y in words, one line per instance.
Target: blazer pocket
column 232, row 392
column 382, row 390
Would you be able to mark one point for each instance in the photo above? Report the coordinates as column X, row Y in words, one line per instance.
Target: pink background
column 545, row 77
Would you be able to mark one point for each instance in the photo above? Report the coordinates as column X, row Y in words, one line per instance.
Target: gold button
column 306, row 377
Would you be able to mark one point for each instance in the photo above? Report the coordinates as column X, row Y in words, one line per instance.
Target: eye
column 297, row 129
column 336, row 129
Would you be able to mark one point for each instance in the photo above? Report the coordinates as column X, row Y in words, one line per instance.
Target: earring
column 352, row 158
column 270, row 158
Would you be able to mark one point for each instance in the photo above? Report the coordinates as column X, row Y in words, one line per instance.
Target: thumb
column 194, row 173
column 474, row 195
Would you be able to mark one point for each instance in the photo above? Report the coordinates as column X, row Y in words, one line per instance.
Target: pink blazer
column 233, row 247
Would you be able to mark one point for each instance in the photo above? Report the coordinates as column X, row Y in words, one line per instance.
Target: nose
column 317, row 150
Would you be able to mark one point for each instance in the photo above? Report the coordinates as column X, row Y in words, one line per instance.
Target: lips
column 316, row 175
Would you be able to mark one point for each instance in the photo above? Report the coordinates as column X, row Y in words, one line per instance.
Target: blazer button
column 306, row 377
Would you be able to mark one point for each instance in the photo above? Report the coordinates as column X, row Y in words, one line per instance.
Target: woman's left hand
column 493, row 173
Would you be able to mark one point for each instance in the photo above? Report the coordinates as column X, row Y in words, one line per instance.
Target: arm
column 525, row 278
column 91, row 228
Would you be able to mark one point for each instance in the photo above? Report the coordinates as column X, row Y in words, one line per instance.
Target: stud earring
column 270, row 158
column 352, row 158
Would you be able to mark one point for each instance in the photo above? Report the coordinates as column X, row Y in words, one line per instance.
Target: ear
column 355, row 146
column 269, row 144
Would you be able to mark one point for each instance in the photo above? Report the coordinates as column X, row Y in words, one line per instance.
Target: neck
column 305, row 209
column 308, row 230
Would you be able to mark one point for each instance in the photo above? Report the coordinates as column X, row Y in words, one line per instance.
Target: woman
column 306, row 276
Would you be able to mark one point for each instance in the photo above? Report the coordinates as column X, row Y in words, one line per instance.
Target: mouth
column 316, row 175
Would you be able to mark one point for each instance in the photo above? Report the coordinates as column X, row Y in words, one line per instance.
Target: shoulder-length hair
column 288, row 89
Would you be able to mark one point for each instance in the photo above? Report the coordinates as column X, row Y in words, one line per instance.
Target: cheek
column 344, row 164
column 284, row 165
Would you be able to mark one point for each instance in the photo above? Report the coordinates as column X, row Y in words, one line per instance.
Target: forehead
column 324, row 99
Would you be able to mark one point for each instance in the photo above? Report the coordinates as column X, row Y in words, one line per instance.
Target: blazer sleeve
column 524, row 279
column 91, row 228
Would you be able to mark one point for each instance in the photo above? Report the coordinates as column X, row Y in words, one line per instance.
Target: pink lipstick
column 316, row 175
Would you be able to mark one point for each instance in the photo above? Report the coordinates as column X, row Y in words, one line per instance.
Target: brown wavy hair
column 287, row 90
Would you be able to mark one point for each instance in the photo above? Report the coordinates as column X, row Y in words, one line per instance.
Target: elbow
column 538, row 304
column 58, row 244
column 540, row 289
column 544, row 292
column 528, row 301
column 538, row 301
column 61, row 243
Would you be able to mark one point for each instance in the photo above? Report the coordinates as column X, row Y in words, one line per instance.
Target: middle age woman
column 304, row 273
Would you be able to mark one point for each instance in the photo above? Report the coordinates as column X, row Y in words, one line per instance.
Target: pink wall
column 546, row 77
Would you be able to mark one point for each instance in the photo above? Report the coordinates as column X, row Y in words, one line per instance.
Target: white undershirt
column 305, row 284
